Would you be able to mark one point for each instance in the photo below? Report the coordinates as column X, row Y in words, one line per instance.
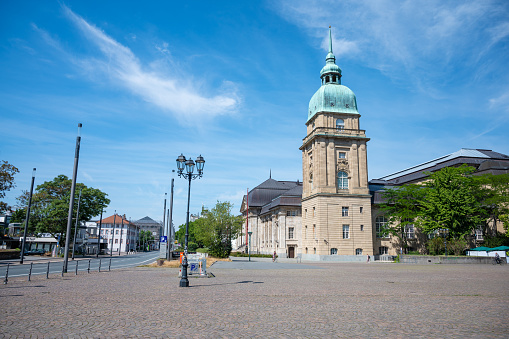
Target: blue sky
column 231, row 80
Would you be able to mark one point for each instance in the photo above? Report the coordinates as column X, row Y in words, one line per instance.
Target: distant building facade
column 119, row 233
column 154, row 227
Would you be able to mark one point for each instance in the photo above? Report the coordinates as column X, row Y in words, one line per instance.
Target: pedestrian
column 368, row 258
column 274, row 256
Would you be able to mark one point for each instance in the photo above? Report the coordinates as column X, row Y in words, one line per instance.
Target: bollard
column 30, row 272
column 88, row 269
column 109, row 266
column 6, row 274
column 47, row 272
column 100, row 265
column 76, row 268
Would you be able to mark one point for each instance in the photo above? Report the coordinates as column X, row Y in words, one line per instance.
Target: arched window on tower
column 340, row 124
column 327, row 79
column 342, row 180
column 333, row 78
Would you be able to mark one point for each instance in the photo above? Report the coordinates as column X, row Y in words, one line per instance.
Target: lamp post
column 121, row 230
column 71, row 202
column 445, row 231
column 99, row 235
column 169, row 242
column 249, row 248
column 113, row 232
column 188, row 165
column 76, row 226
column 27, row 218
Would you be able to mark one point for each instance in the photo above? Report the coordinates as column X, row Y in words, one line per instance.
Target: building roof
column 269, row 190
column 147, row 221
column 471, row 157
column 115, row 218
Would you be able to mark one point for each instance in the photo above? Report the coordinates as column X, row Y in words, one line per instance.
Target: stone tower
column 336, row 204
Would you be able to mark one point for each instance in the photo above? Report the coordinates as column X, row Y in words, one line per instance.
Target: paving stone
column 340, row 300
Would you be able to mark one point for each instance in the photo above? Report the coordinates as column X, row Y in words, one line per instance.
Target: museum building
column 333, row 214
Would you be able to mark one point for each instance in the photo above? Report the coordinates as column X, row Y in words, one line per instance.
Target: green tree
column 181, row 233
column 50, row 205
column 217, row 229
column 452, row 202
column 493, row 191
column 7, row 172
column 145, row 237
column 401, row 208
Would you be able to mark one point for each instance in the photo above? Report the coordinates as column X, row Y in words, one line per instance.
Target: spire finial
column 330, row 40
column 270, row 173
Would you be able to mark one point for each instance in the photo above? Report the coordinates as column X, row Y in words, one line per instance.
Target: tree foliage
column 7, row 172
column 50, row 205
column 145, row 237
column 451, row 199
column 451, row 202
column 401, row 207
column 217, row 229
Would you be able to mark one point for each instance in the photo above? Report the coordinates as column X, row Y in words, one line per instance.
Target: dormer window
column 340, row 124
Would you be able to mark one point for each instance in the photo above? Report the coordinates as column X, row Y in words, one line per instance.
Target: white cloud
column 420, row 41
column 166, row 91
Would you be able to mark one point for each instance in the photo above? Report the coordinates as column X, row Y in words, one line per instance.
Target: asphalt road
column 81, row 264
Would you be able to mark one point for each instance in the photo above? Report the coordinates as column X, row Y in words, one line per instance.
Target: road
column 82, row 264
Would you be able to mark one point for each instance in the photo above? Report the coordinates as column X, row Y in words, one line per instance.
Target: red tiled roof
column 117, row 218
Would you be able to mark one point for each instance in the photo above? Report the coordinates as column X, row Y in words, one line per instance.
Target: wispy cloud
column 164, row 88
column 419, row 41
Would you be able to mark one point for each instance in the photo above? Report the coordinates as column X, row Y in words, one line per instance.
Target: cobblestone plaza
column 264, row 300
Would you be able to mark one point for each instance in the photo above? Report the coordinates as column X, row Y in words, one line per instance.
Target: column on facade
column 354, row 166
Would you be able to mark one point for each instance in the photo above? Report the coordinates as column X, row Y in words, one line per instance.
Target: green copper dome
column 332, row 96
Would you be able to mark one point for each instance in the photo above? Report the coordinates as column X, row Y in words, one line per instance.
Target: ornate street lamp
column 188, row 165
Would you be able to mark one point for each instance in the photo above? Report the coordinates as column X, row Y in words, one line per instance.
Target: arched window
column 342, row 180
column 340, row 124
column 333, row 251
column 333, row 78
column 327, row 79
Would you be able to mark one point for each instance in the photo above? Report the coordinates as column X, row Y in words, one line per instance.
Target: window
column 290, row 233
column 116, row 241
column 342, row 155
column 314, row 250
column 340, row 124
column 313, row 211
column 102, row 231
column 327, row 79
column 333, row 251
column 288, row 213
column 306, row 213
column 409, row 231
column 346, row 232
column 121, row 240
column 314, row 231
column 383, row 250
column 116, row 232
column 380, row 223
column 360, row 210
column 333, row 78
column 306, row 232
column 478, row 234
column 342, row 180
column 306, row 250
column 344, row 211
column 358, row 251
column 362, row 228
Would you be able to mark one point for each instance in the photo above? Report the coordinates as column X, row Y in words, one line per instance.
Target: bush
column 202, row 250
column 456, row 246
column 192, row 246
column 435, row 246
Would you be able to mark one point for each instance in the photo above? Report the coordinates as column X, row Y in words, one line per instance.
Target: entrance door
column 291, row 252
